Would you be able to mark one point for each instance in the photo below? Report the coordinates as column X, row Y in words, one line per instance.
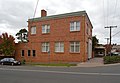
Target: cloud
column 14, row 15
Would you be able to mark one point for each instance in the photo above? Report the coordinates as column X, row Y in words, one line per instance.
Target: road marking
column 60, row 72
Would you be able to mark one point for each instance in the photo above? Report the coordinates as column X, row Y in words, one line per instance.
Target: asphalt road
column 30, row 74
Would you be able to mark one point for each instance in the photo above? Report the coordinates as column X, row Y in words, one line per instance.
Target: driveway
column 94, row 62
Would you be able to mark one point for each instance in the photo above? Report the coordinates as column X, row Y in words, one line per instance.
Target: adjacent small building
column 100, row 51
column 57, row 38
column 115, row 48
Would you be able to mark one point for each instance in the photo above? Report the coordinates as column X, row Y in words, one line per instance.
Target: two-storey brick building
column 57, row 38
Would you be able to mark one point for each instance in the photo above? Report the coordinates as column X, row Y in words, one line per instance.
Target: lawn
column 51, row 64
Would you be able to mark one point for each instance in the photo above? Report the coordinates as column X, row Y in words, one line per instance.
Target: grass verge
column 52, row 64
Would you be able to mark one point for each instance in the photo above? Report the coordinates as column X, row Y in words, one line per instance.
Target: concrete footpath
column 95, row 62
column 92, row 63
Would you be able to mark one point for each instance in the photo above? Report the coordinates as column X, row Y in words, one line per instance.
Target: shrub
column 111, row 59
column 23, row 61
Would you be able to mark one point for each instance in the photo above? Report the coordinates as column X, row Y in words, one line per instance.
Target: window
column 87, row 28
column 45, row 47
column 89, row 32
column 22, row 53
column 75, row 26
column 59, row 47
column 75, row 47
column 33, row 53
column 46, row 29
column 33, row 30
column 28, row 52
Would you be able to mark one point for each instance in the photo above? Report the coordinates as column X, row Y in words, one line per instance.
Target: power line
column 115, row 11
column 103, row 14
column 116, row 40
column 116, row 33
column 33, row 19
column 35, row 8
column 107, row 11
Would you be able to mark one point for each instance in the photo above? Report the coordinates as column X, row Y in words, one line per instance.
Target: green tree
column 95, row 42
column 22, row 35
column 7, row 45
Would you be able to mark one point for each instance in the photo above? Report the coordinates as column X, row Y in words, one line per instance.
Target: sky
column 14, row 14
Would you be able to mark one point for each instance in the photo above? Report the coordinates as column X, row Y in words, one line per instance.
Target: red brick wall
column 59, row 31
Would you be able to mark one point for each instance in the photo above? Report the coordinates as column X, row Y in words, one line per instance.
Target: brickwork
column 59, row 31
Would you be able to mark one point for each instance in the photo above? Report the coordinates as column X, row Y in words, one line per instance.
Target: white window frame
column 75, row 45
column 33, row 30
column 45, row 47
column 75, row 26
column 59, row 46
column 45, row 28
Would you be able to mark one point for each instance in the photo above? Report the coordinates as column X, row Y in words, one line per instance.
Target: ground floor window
column 29, row 52
column 59, row 47
column 75, row 47
column 45, row 47
column 22, row 53
column 33, row 52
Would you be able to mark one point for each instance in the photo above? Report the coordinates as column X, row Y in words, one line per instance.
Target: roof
column 100, row 47
column 116, row 46
column 79, row 13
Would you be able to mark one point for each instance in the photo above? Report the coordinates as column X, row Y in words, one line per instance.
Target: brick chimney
column 43, row 13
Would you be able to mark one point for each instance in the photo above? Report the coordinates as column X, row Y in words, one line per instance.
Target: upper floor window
column 87, row 27
column 59, row 47
column 89, row 32
column 33, row 30
column 45, row 28
column 75, row 47
column 75, row 26
column 45, row 47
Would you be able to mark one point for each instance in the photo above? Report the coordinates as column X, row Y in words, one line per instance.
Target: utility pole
column 107, row 45
column 110, row 34
column 107, row 40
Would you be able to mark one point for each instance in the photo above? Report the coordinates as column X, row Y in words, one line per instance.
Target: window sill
column 74, row 31
column 74, row 52
column 45, row 33
column 59, row 52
